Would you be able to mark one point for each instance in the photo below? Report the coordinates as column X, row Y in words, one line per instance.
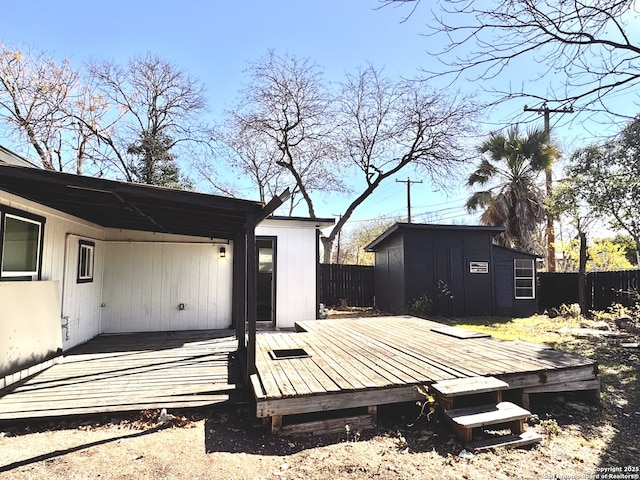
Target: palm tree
column 511, row 196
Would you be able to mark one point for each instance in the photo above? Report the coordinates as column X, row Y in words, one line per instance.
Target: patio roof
column 114, row 204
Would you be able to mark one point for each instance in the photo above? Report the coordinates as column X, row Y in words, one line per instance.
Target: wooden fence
column 603, row 289
column 353, row 283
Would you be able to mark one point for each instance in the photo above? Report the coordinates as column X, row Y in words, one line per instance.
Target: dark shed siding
column 506, row 303
column 437, row 264
column 479, row 286
column 413, row 260
column 389, row 275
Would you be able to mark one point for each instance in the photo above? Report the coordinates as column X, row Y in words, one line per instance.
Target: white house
column 82, row 256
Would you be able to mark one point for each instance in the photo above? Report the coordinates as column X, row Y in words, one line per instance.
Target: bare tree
column 386, row 125
column 249, row 156
column 354, row 241
column 41, row 101
column 286, row 113
column 137, row 118
column 590, row 47
column 567, row 202
column 159, row 107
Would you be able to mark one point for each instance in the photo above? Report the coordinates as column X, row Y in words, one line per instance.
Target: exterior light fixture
column 223, row 252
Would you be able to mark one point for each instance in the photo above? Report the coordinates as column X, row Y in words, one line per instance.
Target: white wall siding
column 145, row 282
column 27, row 308
column 296, row 274
column 58, row 228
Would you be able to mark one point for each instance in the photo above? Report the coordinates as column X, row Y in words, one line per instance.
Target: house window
column 86, row 251
column 524, row 278
column 20, row 245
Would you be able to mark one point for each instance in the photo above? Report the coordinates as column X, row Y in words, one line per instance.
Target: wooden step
column 468, row 386
column 447, row 390
column 506, row 441
column 464, row 420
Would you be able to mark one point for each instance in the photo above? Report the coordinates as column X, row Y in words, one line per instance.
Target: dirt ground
column 582, row 440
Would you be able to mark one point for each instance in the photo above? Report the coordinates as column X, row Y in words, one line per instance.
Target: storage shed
column 457, row 269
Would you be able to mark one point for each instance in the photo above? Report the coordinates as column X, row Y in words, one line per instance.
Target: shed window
column 524, row 274
column 21, row 242
column 85, row 261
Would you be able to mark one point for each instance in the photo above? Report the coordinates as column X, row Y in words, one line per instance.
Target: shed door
column 504, row 285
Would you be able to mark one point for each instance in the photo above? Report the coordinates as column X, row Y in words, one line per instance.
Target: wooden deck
column 372, row 361
column 117, row 373
column 348, row 364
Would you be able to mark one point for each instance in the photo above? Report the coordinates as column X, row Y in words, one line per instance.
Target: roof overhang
column 8, row 157
column 113, row 204
column 428, row 226
column 309, row 222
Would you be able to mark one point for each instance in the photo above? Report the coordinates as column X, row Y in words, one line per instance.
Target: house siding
column 146, row 281
column 296, row 269
column 25, row 308
column 28, row 357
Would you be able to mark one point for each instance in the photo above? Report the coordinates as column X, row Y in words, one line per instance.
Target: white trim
column 32, row 273
column 531, row 278
column 86, row 255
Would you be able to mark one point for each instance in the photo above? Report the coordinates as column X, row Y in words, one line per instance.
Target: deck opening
column 287, row 353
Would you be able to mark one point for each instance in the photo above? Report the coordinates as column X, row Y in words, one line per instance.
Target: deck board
column 116, row 373
column 352, row 363
column 383, row 360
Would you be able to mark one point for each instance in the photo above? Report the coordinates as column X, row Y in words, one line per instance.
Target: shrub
column 419, row 307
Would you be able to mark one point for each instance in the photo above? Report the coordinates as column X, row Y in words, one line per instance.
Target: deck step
column 461, row 392
column 464, row 420
column 484, row 415
column 506, row 441
column 468, row 386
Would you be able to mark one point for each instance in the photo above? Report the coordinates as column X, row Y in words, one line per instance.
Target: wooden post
column 276, row 423
column 372, row 411
column 239, row 295
column 251, row 298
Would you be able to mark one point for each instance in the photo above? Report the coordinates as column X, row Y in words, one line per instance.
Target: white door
column 81, row 290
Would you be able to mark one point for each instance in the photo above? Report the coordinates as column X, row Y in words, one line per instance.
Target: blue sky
column 215, row 40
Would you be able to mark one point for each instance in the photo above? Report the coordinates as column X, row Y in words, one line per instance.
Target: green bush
column 419, row 307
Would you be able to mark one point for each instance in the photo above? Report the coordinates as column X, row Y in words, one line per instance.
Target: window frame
column 90, row 248
column 532, row 278
column 6, row 211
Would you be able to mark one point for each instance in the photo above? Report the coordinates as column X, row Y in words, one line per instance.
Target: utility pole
column 339, row 232
column 551, row 235
column 408, row 181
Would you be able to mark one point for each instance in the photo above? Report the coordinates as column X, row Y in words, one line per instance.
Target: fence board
column 603, row 289
column 353, row 283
